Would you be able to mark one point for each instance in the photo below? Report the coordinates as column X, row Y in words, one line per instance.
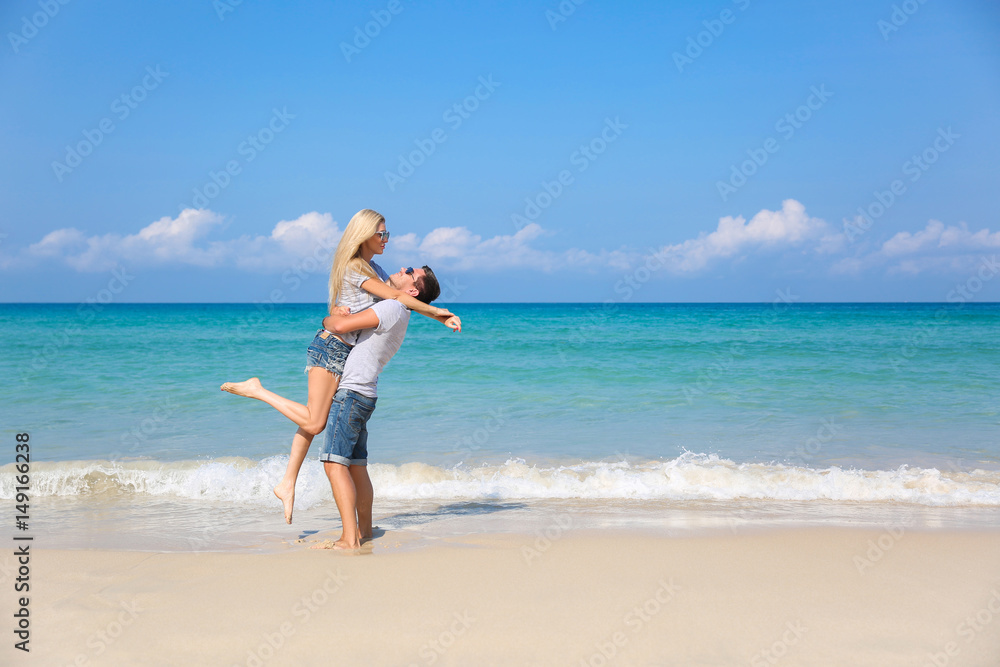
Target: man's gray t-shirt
column 375, row 348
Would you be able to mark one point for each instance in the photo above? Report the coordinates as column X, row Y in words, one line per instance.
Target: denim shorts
column 347, row 429
column 327, row 351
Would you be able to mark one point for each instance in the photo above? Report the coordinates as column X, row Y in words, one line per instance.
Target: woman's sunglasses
column 384, row 236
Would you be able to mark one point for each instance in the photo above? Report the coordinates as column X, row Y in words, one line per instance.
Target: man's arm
column 341, row 324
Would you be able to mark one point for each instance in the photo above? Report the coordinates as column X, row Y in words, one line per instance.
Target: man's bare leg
column 365, row 498
column 285, row 490
column 346, row 496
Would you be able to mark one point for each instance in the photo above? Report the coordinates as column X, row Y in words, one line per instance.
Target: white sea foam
column 687, row 477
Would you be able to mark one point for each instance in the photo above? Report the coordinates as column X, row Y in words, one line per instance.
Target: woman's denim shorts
column 327, row 351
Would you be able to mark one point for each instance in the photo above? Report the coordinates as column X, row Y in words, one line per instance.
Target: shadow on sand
column 409, row 519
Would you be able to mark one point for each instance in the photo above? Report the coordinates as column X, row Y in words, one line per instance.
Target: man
column 345, row 450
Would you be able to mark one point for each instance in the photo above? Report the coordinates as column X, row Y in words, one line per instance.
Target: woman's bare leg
column 322, row 386
column 285, row 490
column 310, row 417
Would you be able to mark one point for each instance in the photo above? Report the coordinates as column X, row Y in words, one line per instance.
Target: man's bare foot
column 343, row 545
column 286, row 494
column 250, row 388
column 339, row 545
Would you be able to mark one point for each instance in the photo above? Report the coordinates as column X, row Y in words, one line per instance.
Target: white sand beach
column 809, row 596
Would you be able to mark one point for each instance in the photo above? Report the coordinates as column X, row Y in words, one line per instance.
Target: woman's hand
column 453, row 323
column 337, row 311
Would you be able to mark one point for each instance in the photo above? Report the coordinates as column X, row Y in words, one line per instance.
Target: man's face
column 404, row 281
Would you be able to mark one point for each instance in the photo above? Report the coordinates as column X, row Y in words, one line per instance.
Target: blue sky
column 528, row 151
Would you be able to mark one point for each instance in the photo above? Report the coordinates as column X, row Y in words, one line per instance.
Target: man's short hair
column 427, row 285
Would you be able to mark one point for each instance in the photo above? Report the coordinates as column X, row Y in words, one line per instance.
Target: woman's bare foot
column 250, row 388
column 286, row 494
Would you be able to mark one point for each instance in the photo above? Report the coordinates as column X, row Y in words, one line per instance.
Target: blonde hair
column 362, row 227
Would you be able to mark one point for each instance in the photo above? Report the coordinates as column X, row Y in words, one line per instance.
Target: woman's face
column 375, row 245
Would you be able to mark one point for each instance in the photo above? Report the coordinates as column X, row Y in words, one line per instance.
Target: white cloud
column 938, row 236
column 56, row 243
column 458, row 249
column 935, row 248
column 186, row 241
column 766, row 230
column 181, row 241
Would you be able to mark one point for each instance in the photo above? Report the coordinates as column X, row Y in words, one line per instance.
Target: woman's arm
column 386, row 291
column 341, row 324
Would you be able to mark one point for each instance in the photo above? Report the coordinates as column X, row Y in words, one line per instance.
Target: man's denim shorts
column 347, row 429
column 327, row 351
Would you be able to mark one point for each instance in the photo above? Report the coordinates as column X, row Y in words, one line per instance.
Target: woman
column 356, row 282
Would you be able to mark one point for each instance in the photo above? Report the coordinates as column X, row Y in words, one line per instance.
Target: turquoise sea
column 640, row 411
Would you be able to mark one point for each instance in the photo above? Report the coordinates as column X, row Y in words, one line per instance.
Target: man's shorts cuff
column 342, row 460
column 334, row 458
